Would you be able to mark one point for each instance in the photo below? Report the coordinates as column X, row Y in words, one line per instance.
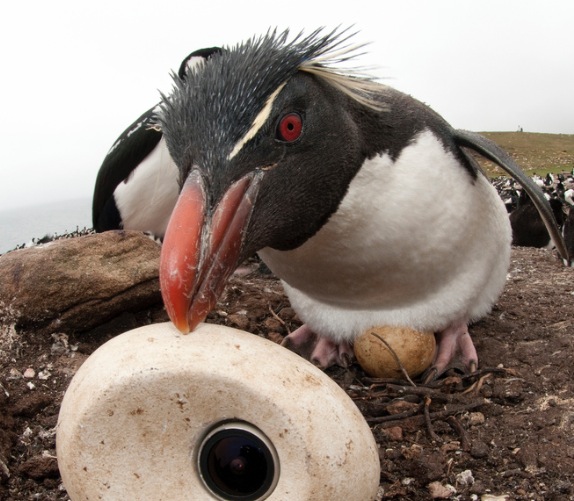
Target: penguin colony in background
column 273, row 148
column 528, row 229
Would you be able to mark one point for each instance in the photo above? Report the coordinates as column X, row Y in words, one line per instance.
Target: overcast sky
column 76, row 74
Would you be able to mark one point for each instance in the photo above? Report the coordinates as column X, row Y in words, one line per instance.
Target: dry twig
column 428, row 421
column 395, row 356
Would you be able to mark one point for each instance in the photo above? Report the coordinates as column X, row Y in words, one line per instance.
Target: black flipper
column 133, row 145
column 491, row 151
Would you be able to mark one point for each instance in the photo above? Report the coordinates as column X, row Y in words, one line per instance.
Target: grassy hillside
column 536, row 153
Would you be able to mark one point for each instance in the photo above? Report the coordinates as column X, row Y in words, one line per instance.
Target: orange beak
column 199, row 252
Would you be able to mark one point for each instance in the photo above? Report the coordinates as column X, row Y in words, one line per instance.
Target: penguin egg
column 414, row 349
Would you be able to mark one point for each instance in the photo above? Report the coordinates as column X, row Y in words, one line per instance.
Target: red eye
column 290, row 127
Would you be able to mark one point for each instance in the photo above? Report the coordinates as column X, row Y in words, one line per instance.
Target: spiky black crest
column 236, row 84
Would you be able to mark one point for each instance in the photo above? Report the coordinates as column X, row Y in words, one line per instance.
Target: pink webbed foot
column 319, row 350
column 453, row 340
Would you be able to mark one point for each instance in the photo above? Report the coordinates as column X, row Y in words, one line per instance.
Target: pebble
column 238, row 321
column 29, row 373
column 465, row 478
column 40, row 467
column 256, row 313
column 563, row 486
column 276, row 337
column 439, row 491
column 476, row 418
column 479, row 450
column 287, row 313
column 272, row 324
column 400, row 406
column 393, row 433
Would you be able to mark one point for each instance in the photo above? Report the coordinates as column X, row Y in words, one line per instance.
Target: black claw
column 303, row 349
column 430, row 375
column 433, row 373
column 317, row 363
column 345, row 360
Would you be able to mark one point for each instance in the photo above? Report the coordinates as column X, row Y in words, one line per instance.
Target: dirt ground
column 503, row 433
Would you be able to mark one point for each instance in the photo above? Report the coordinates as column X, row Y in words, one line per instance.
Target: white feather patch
column 147, row 198
column 258, row 122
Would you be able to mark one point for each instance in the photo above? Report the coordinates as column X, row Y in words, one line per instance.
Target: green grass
column 536, row 153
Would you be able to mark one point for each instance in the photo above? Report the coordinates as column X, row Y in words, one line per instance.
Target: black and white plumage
column 283, row 155
column 565, row 190
column 528, row 228
column 568, row 232
column 137, row 184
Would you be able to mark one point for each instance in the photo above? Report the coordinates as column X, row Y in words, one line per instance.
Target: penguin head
column 266, row 141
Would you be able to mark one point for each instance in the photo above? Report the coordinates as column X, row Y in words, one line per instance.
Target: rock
column 476, row 418
column 465, row 478
column 238, row 320
column 479, row 450
column 439, row 491
column 30, row 404
column 79, row 283
column 394, row 433
column 40, row 467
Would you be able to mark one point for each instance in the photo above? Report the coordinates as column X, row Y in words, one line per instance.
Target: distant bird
column 538, row 180
column 568, row 231
column 559, row 190
column 528, row 228
column 282, row 154
column 509, row 193
column 137, row 184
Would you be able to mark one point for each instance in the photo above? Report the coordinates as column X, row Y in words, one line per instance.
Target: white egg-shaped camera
column 218, row 414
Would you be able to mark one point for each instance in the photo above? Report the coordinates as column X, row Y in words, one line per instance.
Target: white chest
column 147, row 198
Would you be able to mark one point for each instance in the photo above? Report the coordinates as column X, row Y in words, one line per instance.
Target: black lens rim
column 230, row 429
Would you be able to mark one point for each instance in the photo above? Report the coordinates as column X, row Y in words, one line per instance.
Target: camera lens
column 238, row 462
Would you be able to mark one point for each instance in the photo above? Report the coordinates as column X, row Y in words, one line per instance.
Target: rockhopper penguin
column 137, row 184
column 281, row 153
